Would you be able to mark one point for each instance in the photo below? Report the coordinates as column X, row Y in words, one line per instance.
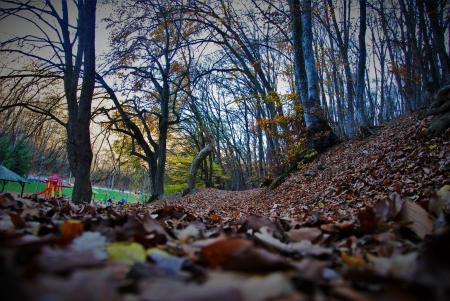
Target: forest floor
column 369, row 222
column 402, row 158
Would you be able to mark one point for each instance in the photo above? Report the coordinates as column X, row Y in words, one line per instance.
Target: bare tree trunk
column 79, row 112
column 195, row 165
column 398, row 80
column 299, row 66
column 430, row 56
column 342, row 38
column 432, row 8
column 161, row 164
column 260, row 142
column 152, row 177
column 313, row 112
column 80, row 159
column 320, row 135
column 360, row 80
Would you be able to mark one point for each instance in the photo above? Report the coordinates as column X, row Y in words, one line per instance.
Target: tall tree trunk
column 360, row 80
column 80, row 159
column 313, row 112
column 161, row 166
column 432, row 79
column 260, row 142
column 152, row 176
column 320, row 135
column 301, row 85
column 161, row 157
column 343, row 44
column 79, row 149
column 432, row 8
column 391, row 53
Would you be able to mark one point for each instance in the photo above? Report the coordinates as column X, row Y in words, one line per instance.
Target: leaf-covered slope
column 402, row 158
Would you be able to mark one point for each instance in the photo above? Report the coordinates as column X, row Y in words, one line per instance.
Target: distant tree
column 15, row 154
column 151, row 57
column 361, row 72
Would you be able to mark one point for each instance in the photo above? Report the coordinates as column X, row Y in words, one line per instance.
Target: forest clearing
column 99, row 194
column 235, row 150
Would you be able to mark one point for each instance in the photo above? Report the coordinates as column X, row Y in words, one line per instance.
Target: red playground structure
column 54, row 187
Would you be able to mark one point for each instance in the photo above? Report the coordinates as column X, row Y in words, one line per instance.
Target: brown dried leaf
column 304, row 247
column 17, row 220
column 254, row 222
column 153, row 227
column 421, row 222
column 242, row 255
column 71, row 228
column 368, row 221
column 305, row 233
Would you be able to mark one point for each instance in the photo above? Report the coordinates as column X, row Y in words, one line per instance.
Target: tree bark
column 430, row 56
column 432, row 8
column 79, row 112
column 360, row 113
column 319, row 134
column 301, row 85
column 343, row 45
column 313, row 112
column 195, row 165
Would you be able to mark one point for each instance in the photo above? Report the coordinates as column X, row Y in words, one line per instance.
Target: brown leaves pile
column 374, row 231
column 170, row 254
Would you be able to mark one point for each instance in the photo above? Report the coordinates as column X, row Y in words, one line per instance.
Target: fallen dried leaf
column 368, row 221
column 154, row 228
column 421, row 222
column 305, row 233
column 255, row 223
column 17, row 220
column 304, row 247
column 242, row 255
column 128, row 252
column 353, row 261
column 71, row 228
column 398, row 265
column 191, row 232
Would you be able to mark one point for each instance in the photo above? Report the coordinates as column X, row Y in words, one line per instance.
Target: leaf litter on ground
column 372, row 224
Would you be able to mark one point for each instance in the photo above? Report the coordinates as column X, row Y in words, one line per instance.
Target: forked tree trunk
column 79, row 149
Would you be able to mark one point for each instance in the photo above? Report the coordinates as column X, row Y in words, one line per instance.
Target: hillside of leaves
column 403, row 158
column 368, row 220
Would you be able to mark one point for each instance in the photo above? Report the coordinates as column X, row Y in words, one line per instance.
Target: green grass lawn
column 99, row 195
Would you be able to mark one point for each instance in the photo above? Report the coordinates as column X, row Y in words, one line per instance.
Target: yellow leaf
column 71, row 228
column 128, row 252
column 353, row 261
